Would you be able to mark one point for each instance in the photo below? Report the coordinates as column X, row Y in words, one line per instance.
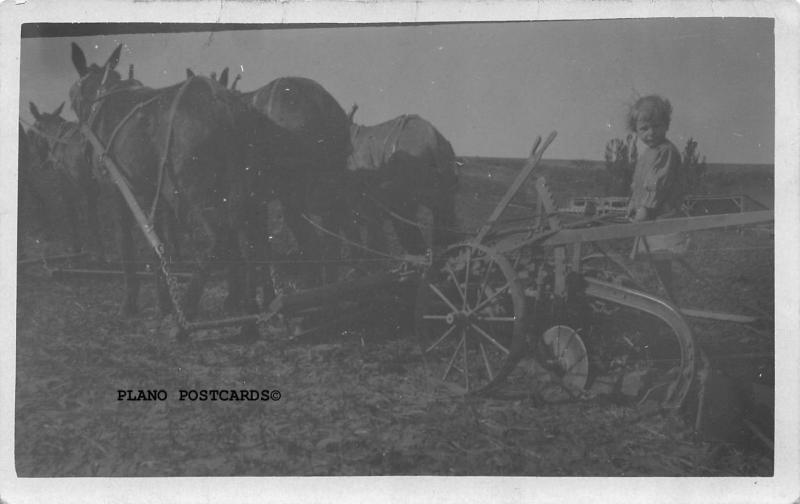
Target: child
column 658, row 188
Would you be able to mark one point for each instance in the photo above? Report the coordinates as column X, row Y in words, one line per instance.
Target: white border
column 784, row 487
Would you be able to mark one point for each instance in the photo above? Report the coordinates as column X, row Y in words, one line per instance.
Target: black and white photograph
column 370, row 243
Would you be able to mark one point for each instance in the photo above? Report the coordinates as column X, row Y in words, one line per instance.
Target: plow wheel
column 562, row 365
column 469, row 317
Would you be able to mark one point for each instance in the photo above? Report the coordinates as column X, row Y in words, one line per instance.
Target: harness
column 53, row 141
column 123, row 183
column 164, row 166
column 398, row 126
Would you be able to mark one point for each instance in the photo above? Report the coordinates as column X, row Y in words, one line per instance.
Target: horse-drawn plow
column 546, row 306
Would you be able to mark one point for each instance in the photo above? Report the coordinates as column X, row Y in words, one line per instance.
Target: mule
column 187, row 149
column 28, row 186
column 311, row 168
column 404, row 163
column 61, row 145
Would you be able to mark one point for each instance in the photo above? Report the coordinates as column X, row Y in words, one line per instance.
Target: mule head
column 45, row 129
column 93, row 81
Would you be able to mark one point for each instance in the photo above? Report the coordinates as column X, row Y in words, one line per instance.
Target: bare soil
column 359, row 399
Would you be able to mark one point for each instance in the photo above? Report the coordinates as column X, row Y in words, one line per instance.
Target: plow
column 548, row 306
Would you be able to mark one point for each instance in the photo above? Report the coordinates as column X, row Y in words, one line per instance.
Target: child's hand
column 639, row 215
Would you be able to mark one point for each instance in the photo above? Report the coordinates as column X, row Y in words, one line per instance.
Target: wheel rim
column 470, row 316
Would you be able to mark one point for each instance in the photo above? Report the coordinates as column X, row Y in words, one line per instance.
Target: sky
column 490, row 88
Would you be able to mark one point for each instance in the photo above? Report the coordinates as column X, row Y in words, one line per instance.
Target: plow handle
column 530, row 164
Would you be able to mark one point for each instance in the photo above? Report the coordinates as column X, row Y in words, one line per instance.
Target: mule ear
column 79, row 60
column 223, row 78
column 113, row 60
column 34, row 111
column 189, row 73
column 57, row 112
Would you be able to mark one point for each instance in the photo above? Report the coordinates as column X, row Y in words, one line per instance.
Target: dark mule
column 404, row 163
column 310, row 169
column 183, row 149
column 29, row 192
column 61, row 145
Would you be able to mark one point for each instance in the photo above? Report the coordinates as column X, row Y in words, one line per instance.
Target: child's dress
column 658, row 185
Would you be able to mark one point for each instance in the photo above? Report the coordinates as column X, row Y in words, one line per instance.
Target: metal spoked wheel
column 469, row 316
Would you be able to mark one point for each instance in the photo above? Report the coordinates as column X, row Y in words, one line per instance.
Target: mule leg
column 332, row 246
column 264, row 256
column 306, row 237
column 92, row 195
column 444, row 219
column 409, row 235
column 194, row 290
column 71, row 209
column 376, row 236
column 235, row 274
column 128, row 256
column 252, row 244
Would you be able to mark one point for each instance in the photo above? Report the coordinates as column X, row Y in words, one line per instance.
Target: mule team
column 200, row 156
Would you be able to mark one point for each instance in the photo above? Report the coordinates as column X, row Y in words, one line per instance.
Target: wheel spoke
column 484, row 282
column 466, row 278
column 443, row 297
column 434, row 317
column 489, row 299
column 466, row 362
column 461, row 292
column 486, row 361
column 453, row 358
column 488, row 337
column 441, row 338
column 499, row 319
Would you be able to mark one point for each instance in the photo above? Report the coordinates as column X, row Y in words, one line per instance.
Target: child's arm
column 658, row 180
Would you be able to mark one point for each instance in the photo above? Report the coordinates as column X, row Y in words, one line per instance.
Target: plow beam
column 287, row 304
column 634, row 229
column 319, row 296
column 65, row 273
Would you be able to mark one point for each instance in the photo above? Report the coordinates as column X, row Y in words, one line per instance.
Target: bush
column 694, row 168
column 620, row 162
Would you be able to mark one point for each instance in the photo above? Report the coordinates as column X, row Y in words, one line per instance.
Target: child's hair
column 651, row 108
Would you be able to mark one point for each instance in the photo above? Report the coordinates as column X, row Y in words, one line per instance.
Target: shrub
column 620, row 160
column 694, row 168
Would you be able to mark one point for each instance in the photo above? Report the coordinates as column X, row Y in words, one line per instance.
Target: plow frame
column 547, row 237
